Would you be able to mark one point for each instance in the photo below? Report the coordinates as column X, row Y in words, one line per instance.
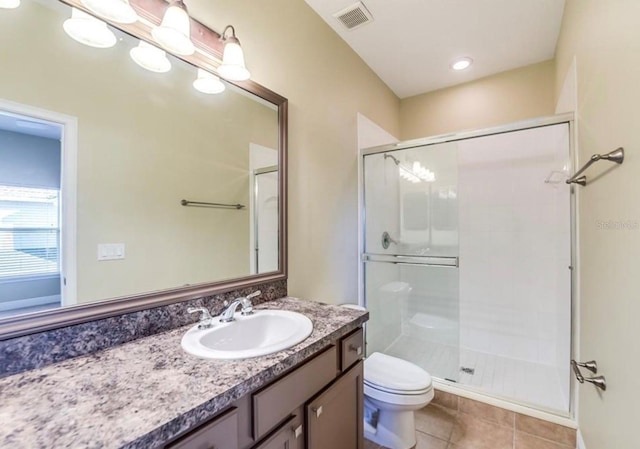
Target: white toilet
column 394, row 389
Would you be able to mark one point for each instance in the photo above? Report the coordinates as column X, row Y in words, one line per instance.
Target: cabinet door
column 334, row 418
column 221, row 433
column 284, row 438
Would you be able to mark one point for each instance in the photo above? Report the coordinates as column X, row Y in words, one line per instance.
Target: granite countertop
column 143, row 393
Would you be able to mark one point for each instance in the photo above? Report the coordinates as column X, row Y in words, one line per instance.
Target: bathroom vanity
column 317, row 404
column 150, row 394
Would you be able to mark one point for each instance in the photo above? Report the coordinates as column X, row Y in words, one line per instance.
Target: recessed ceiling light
column 461, row 63
column 9, row 4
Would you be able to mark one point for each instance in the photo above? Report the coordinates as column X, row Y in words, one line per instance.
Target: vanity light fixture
column 150, row 57
column 174, row 33
column 88, row 30
column 232, row 67
column 461, row 63
column 119, row 11
column 208, row 83
column 9, row 4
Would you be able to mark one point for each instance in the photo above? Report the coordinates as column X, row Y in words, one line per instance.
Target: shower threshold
column 534, row 384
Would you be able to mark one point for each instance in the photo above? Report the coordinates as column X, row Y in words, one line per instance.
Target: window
column 29, row 232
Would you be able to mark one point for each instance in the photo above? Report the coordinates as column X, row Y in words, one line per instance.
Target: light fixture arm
column 180, row 4
column 232, row 67
column 232, row 38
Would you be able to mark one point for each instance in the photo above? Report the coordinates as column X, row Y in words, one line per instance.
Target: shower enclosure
column 467, row 259
column 264, row 237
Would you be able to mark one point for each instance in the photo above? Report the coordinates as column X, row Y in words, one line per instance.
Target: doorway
column 37, row 210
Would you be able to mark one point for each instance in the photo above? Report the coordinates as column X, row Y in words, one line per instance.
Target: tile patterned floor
column 450, row 422
column 527, row 382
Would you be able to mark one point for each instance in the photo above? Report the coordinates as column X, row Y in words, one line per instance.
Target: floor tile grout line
column 455, row 421
column 432, row 436
column 543, row 439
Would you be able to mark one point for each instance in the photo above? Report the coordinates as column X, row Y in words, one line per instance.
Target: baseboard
column 580, row 441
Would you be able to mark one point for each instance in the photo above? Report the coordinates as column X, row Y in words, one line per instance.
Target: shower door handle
column 427, row 261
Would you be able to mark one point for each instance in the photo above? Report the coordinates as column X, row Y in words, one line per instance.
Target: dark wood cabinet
column 286, row 437
column 219, row 433
column 334, row 418
column 316, row 405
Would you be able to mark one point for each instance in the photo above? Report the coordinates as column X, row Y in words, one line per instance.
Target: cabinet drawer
column 351, row 349
column 221, row 433
column 274, row 403
column 288, row 436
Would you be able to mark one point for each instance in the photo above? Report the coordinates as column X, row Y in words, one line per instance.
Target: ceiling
column 30, row 126
column 411, row 43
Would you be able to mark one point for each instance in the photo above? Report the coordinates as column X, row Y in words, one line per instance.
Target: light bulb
column 9, row 4
column 88, row 30
column 174, row 33
column 119, row 11
column 208, row 83
column 151, row 58
column 232, row 67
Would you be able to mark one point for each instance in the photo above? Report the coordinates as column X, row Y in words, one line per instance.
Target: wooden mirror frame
column 207, row 56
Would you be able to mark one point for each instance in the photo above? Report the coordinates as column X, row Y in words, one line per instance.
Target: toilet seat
column 402, row 392
column 395, row 376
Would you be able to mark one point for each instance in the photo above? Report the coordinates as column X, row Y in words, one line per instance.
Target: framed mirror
column 124, row 187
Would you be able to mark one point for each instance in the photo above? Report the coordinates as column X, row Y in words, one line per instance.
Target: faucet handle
column 247, row 307
column 205, row 320
column 254, row 294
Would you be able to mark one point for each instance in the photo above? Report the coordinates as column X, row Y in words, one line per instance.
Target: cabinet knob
column 297, row 431
column 317, row 411
column 356, row 349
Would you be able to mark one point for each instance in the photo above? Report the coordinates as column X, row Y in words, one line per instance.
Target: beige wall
column 605, row 38
column 507, row 97
column 293, row 51
column 146, row 141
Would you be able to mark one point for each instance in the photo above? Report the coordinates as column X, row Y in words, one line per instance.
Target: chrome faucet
column 245, row 302
column 206, row 320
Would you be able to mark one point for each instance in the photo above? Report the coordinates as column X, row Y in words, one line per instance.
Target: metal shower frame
column 569, row 119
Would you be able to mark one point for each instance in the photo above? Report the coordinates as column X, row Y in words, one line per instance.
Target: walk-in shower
column 467, row 259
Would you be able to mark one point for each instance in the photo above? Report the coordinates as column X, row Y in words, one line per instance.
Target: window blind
column 29, row 232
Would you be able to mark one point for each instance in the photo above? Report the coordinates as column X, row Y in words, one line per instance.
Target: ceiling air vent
column 354, row 16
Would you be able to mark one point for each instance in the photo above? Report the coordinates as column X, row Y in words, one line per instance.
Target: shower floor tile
column 512, row 379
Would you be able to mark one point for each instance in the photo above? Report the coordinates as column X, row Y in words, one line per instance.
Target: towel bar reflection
column 616, row 156
column 219, row 205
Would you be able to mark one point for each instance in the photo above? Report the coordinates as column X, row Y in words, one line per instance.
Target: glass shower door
column 411, row 256
column 265, row 216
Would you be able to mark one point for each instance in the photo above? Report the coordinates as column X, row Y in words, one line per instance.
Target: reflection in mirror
column 97, row 155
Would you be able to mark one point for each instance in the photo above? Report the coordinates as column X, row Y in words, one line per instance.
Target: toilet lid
column 396, row 375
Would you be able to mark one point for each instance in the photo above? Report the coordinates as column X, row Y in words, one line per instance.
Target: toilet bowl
column 394, row 389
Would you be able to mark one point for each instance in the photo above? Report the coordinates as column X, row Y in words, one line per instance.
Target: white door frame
column 68, row 187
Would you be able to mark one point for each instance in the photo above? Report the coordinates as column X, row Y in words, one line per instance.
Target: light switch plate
column 110, row 251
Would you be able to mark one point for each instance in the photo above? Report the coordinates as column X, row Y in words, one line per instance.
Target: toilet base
column 395, row 430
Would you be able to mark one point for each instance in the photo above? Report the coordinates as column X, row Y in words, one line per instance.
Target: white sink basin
column 264, row 332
